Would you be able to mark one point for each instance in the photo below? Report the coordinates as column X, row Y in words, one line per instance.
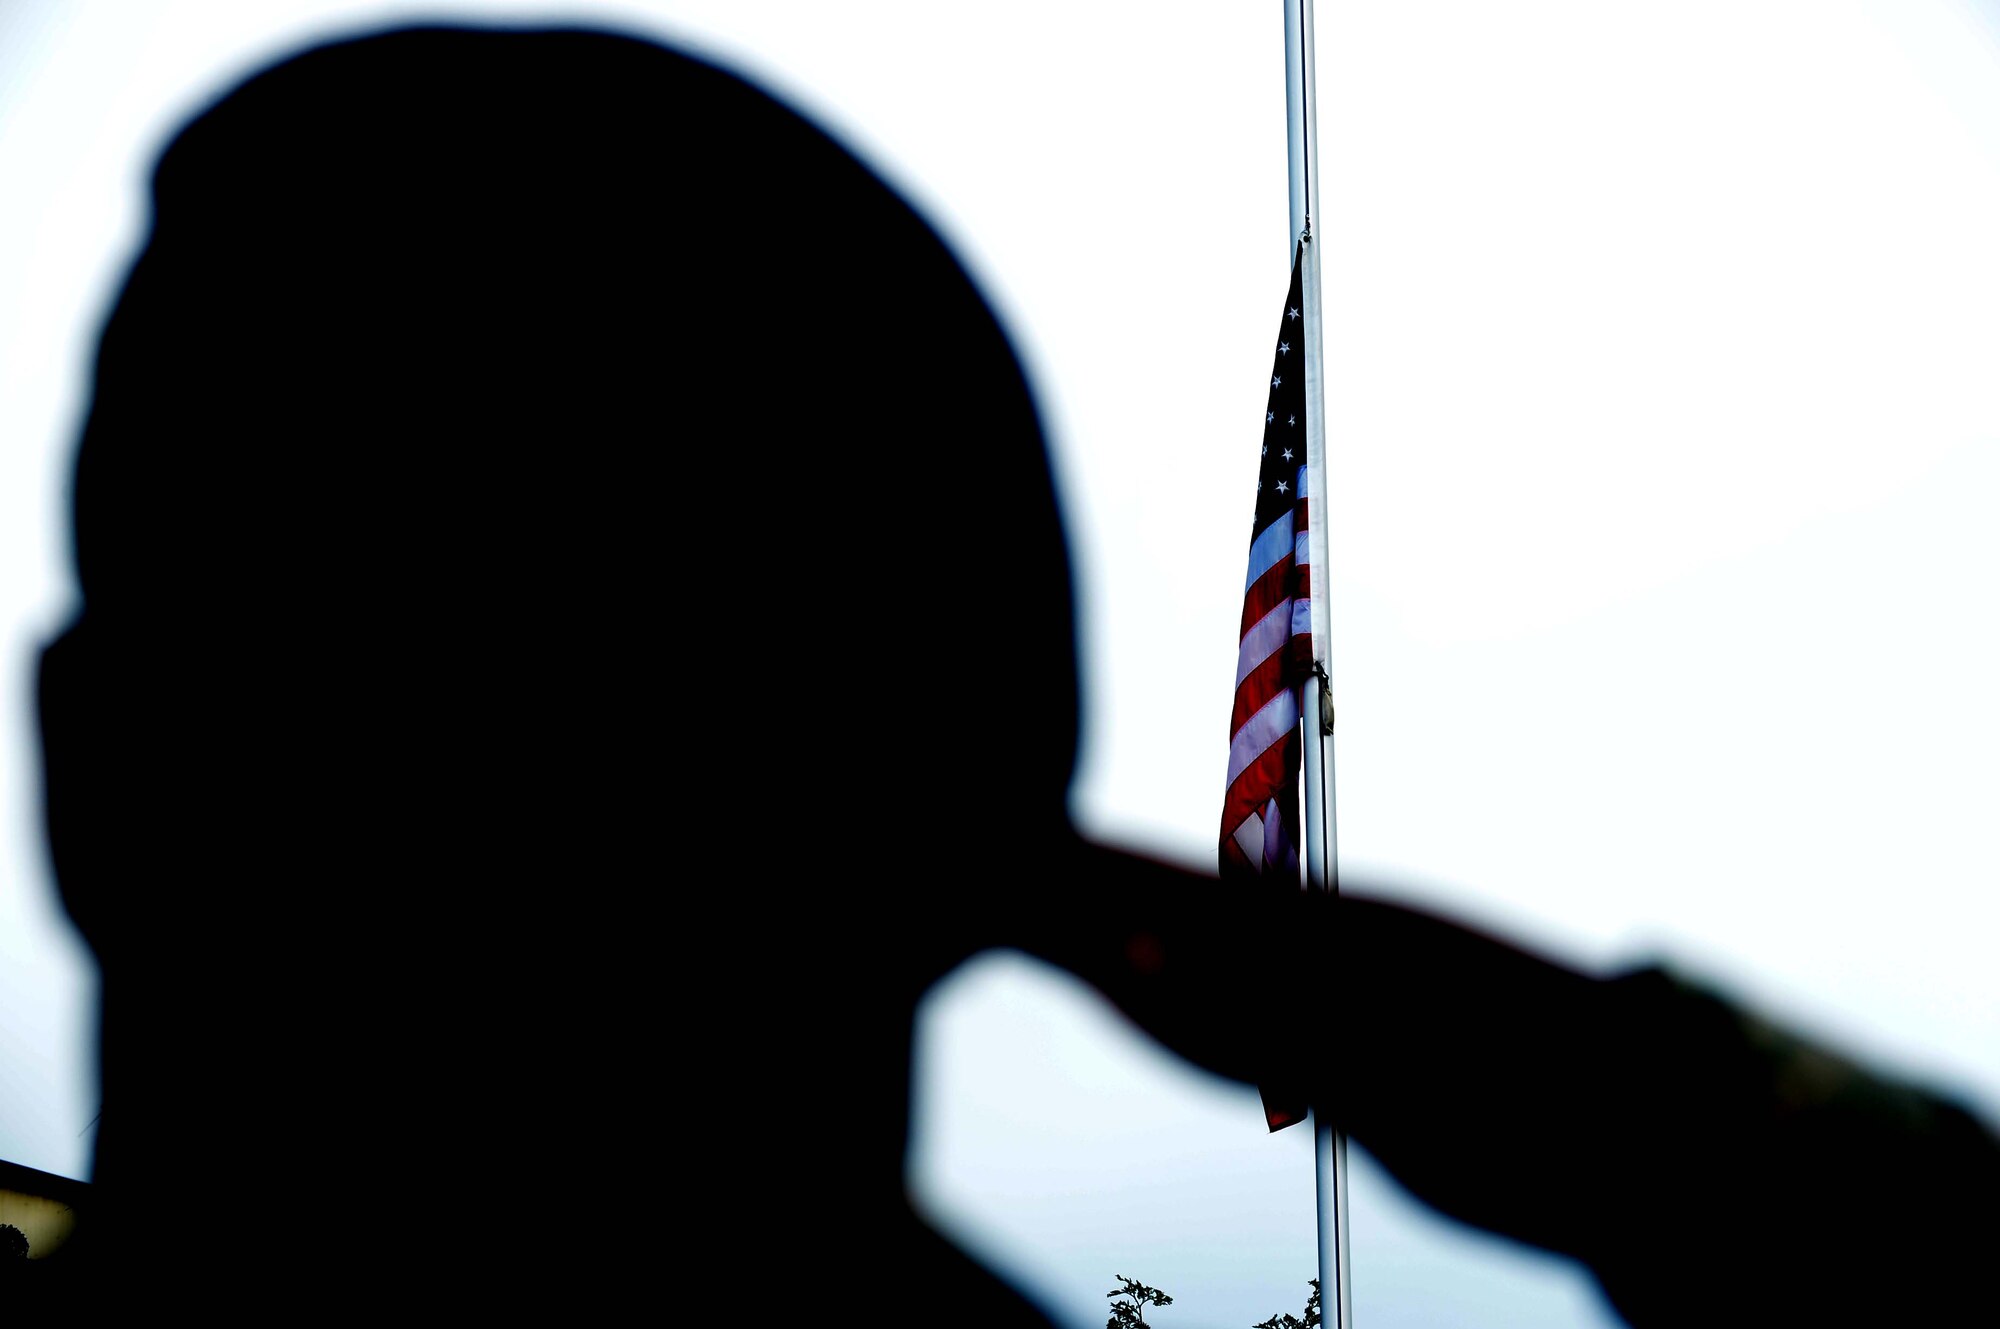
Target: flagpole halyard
column 1322, row 859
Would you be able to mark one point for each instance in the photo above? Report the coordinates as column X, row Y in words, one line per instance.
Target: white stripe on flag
column 1269, row 548
column 1249, row 838
column 1269, row 725
column 1265, row 638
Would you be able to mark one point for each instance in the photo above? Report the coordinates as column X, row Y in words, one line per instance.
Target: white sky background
column 1660, row 348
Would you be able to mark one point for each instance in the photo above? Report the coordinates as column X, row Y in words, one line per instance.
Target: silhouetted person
column 545, row 514
column 577, row 639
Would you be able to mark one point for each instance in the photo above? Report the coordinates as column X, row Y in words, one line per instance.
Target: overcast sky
column 1663, row 451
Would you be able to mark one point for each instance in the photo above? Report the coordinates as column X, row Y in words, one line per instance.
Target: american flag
column 1260, row 811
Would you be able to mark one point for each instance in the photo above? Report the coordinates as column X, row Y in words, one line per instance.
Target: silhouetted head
column 560, row 540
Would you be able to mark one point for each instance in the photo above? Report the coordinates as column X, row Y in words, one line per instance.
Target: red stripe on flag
column 1278, row 584
column 1261, row 684
column 1298, row 656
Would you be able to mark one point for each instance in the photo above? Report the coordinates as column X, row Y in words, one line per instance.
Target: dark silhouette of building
column 38, row 1213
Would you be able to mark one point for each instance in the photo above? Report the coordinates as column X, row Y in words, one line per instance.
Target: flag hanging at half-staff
column 1260, row 810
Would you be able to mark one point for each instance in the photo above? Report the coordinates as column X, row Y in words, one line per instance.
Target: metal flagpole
column 1322, row 857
